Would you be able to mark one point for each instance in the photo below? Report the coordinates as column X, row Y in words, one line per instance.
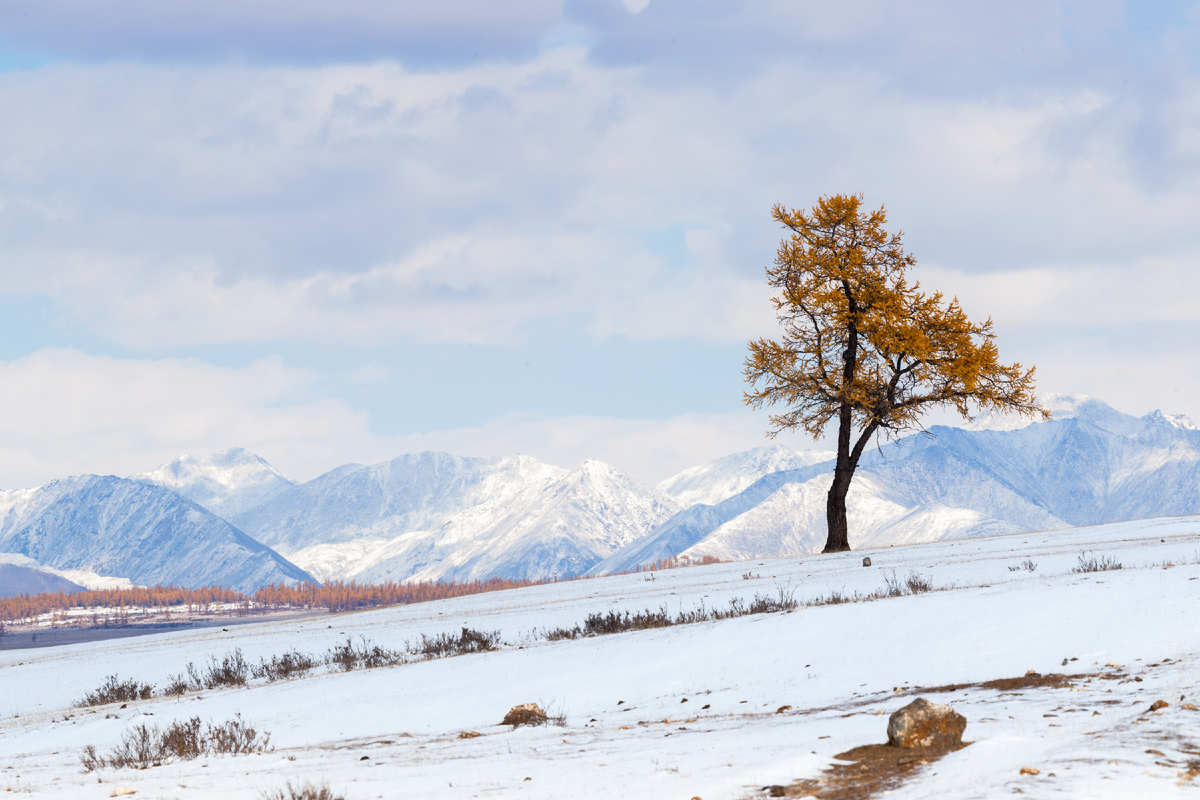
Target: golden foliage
column 859, row 341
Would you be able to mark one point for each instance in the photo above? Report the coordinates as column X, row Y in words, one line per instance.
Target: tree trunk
column 838, row 540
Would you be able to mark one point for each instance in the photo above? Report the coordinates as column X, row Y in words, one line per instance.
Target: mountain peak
column 225, row 483
column 1156, row 417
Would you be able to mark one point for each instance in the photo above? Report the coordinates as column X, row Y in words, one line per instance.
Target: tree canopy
column 864, row 347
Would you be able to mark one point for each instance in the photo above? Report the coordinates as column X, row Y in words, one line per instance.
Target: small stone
column 1157, row 704
column 365, row 758
column 1033, row 674
column 474, row 734
column 1189, row 706
column 782, row 709
column 867, row 561
column 1065, row 662
column 775, row 791
column 925, row 724
column 1030, row 771
column 684, row 700
column 524, row 714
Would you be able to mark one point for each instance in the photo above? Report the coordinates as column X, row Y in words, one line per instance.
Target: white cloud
column 365, row 203
column 63, row 412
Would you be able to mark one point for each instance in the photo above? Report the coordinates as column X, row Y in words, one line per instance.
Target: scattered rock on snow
column 469, row 734
column 525, row 714
column 867, row 561
column 1030, row 771
column 782, row 709
column 1157, row 704
column 925, row 724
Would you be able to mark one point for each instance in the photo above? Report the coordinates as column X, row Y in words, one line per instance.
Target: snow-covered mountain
column 724, row 477
column 434, row 515
column 225, row 483
column 1091, row 464
column 149, row 534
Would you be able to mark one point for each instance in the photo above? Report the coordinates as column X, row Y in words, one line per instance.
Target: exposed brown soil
column 873, row 768
column 876, row 768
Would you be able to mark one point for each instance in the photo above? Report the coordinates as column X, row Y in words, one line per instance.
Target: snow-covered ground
column 629, row 733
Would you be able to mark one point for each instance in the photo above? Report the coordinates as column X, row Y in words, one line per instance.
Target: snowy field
column 629, row 733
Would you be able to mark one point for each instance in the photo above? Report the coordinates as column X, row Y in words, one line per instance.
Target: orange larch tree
column 862, row 346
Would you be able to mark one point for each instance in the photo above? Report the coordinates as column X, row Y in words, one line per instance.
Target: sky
column 339, row 232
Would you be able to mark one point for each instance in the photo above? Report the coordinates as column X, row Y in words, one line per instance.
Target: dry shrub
column 917, row 583
column 307, row 791
column 525, row 714
column 232, row 670
column 445, row 644
column 289, row 665
column 617, row 622
column 178, row 685
column 601, row 624
column 365, row 656
column 236, row 737
column 558, row 634
column 144, row 746
column 114, row 690
column 1096, row 564
column 1027, row 565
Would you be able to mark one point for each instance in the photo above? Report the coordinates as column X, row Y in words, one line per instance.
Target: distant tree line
column 333, row 595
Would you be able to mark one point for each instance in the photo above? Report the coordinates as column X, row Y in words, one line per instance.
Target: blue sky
column 336, row 232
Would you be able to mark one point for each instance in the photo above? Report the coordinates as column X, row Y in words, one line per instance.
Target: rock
column 469, row 734
column 525, row 714
column 782, row 709
column 1030, row 771
column 775, row 791
column 867, row 561
column 1189, row 706
column 1157, row 704
column 925, row 724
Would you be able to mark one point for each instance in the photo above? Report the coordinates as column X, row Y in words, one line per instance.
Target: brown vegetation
column 144, row 746
column 305, row 791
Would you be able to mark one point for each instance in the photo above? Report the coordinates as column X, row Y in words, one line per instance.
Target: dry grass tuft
column 1093, row 563
column 307, row 791
column 525, row 714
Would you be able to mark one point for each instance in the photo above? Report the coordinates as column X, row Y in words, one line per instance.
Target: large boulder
column 925, row 724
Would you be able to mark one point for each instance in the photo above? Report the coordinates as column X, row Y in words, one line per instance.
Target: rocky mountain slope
column 724, row 477
column 225, row 483
column 1091, row 464
column 433, row 515
column 148, row 534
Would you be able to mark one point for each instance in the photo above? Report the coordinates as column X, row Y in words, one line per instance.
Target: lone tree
column 863, row 347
